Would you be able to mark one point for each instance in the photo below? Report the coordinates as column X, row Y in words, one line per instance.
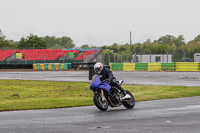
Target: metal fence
column 141, row 58
column 116, row 58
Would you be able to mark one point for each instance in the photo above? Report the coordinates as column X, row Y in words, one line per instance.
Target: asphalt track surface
column 140, row 78
column 160, row 116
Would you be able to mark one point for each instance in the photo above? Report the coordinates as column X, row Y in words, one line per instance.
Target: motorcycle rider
column 107, row 74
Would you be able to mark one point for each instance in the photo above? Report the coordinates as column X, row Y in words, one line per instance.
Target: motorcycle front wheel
column 100, row 102
column 129, row 104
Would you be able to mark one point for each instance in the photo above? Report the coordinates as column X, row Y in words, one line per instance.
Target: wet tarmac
column 160, row 116
column 139, row 78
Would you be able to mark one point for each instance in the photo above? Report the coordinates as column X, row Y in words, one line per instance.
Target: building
column 196, row 57
column 147, row 58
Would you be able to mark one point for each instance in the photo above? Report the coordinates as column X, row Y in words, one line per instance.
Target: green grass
column 23, row 95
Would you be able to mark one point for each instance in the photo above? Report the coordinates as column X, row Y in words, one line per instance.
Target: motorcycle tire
column 100, row 102
column 129, row 104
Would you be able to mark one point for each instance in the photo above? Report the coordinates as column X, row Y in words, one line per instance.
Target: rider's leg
column 118, row 86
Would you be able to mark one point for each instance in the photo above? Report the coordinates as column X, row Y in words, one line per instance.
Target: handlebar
column 106, row 80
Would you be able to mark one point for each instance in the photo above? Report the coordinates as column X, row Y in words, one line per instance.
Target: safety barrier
column 141, row 66
column 49, row 66
column 52, row 66
column 16, row 66
column 42, row 66
column 187, row 66
column 177, row 66
column 154, row 67
column 199, row 66
column 46, row 66
column 168, row 67
column 56, row 66
column 128, row 66
column 35, row 66
column 38, row 66
column 117, row 66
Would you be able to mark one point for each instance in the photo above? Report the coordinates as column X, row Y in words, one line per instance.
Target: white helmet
column 98, row 67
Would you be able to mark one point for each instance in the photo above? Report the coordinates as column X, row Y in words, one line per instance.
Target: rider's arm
column 109, row 75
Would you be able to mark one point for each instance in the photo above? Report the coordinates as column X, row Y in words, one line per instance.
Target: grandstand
column 75, row 55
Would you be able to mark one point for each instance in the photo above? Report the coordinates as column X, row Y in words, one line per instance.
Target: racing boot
column 118, row 86
column 125, row 95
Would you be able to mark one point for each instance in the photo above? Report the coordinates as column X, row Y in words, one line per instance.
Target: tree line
column 36, row 42
column 164, row 45
column 167, row 44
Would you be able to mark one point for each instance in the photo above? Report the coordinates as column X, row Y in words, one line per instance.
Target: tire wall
column 176, row 66
column 154, row 67
column 168, row 67
column 117, row 66
column 183, row 66
column 128, row 66
column 52, row 66
column 141, row 66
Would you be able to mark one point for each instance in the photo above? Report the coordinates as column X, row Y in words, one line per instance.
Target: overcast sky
column 100, row 22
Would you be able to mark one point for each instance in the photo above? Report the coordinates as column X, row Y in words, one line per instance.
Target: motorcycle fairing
column 98, row 84
column 104, row 86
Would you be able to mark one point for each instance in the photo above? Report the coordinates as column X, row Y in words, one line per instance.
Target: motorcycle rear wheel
column 129, row 104
column 100, row 102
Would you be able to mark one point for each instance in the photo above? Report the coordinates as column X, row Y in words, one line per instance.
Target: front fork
column 103, row 98
column 102, row 92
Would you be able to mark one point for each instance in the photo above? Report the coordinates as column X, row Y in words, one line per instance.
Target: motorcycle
column 106, row 95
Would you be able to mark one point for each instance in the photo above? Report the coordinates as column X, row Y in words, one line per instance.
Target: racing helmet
column 98, row 67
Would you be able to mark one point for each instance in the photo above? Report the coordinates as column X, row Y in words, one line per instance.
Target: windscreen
column 95, row 77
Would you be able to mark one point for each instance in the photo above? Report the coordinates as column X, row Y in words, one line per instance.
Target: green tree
column 137, row 48
column 62, row 42
column 32, row 41
column 4, row 44
column 125, row 47
column 56, row 47
column 50, row 40
column 107, row 51
column 173, row 47
column 114, row 47
column 168, row 39
column 85, row 46
column 197, row 39
column 179, row 41
column 65, row 42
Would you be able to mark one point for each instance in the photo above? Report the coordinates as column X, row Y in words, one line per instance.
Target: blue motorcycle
column 106, row 95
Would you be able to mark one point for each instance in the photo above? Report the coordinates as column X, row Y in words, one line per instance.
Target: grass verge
column 24, row 95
